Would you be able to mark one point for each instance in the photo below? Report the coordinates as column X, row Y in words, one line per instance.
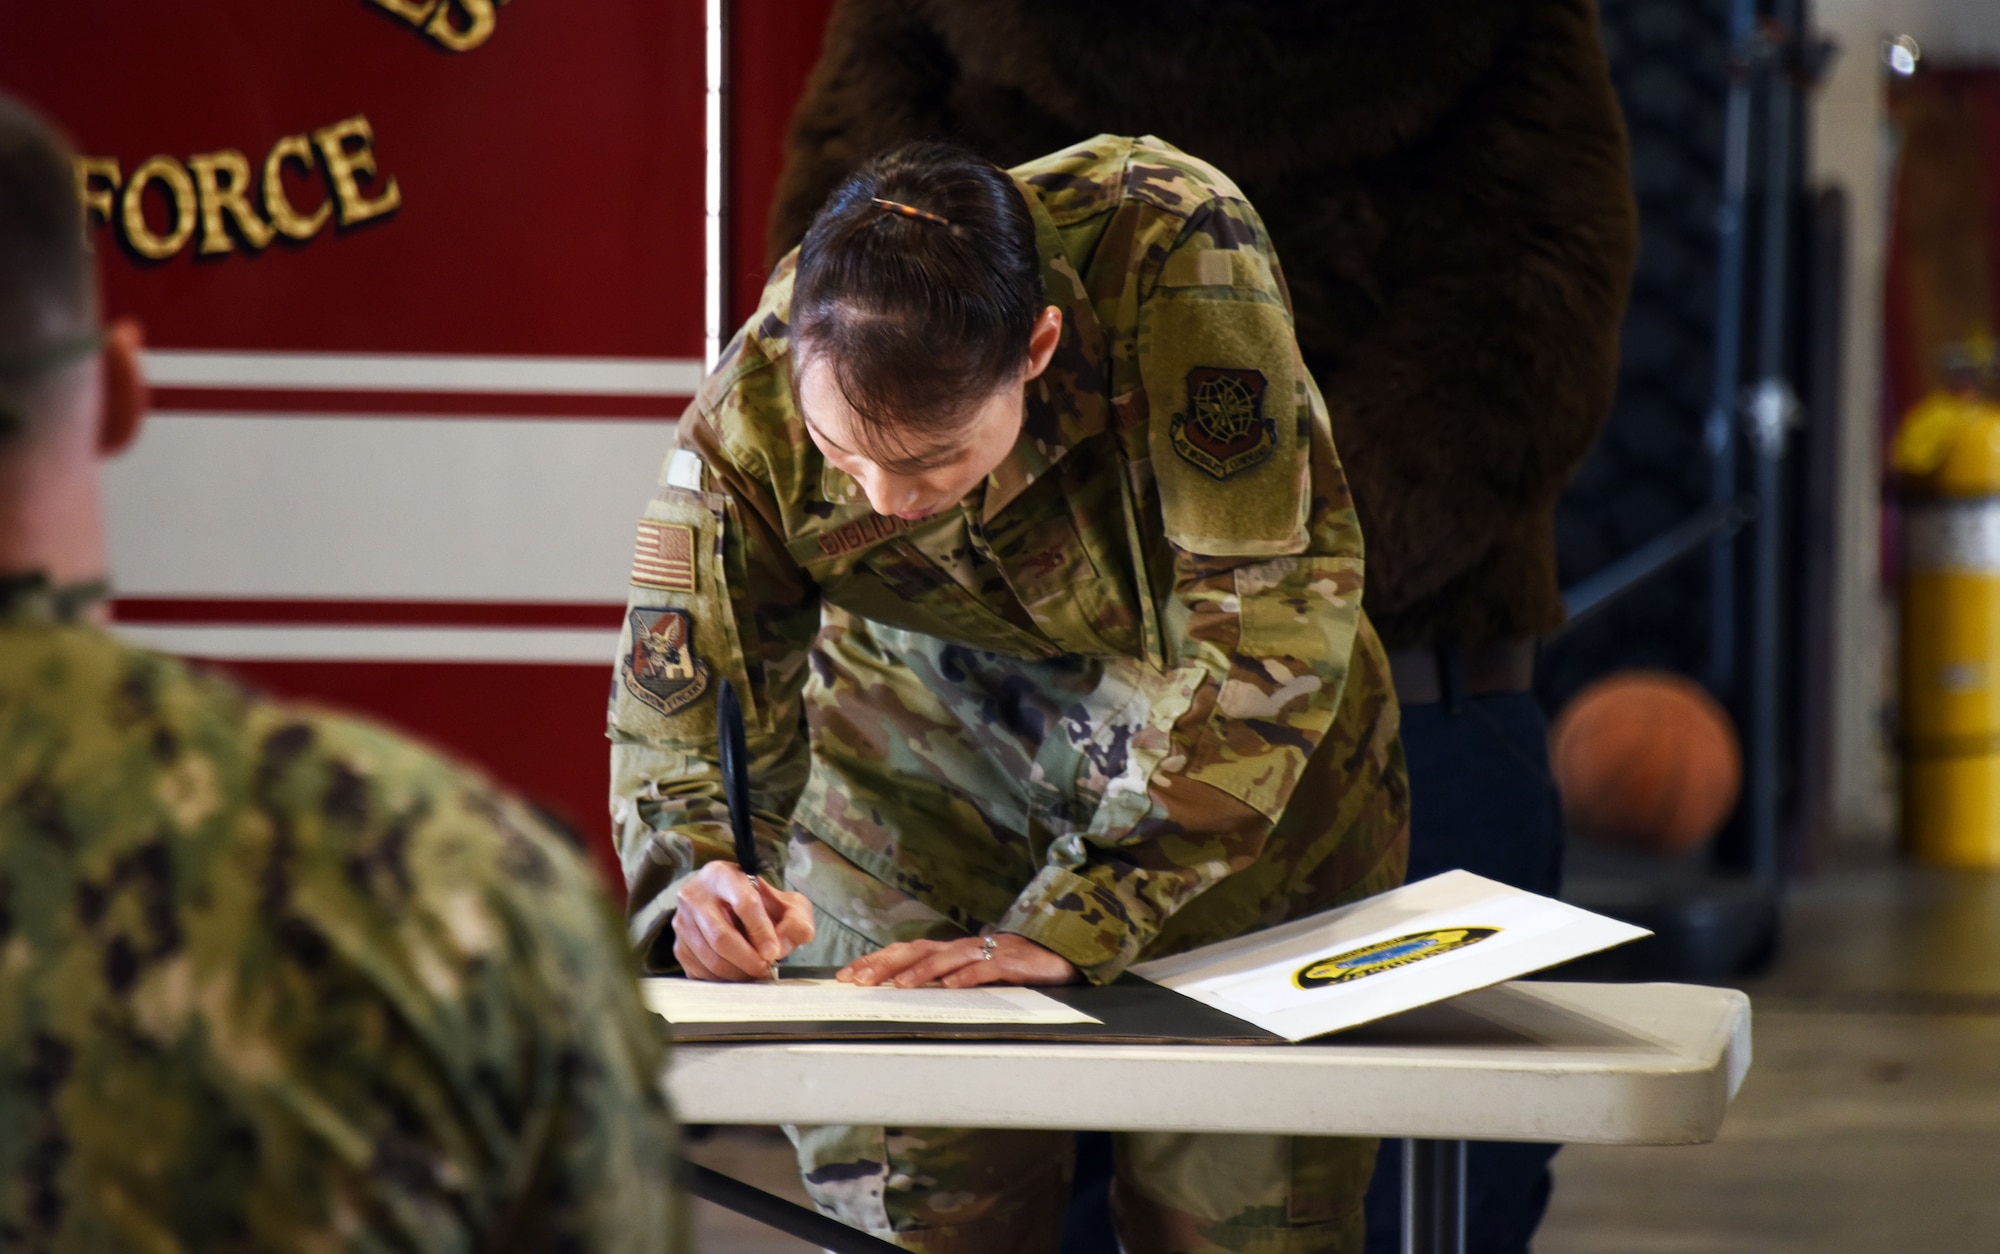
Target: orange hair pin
column 911, row 211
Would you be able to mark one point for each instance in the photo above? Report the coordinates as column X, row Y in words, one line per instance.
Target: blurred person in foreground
column 269, row 978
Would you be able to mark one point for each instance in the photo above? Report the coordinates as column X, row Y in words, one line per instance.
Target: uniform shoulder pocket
column 1231, row 408
column 679, row 632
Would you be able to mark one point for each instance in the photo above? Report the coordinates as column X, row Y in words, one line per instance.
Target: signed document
column 830, row 1001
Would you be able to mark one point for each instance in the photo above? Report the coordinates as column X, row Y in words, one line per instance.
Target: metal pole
column 1719, row 431
column 715, row 169
column 1588, row 596
column 1772, row 408
column 1433, row 1197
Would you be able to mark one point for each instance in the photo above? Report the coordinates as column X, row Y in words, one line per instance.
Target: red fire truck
column 425, row 283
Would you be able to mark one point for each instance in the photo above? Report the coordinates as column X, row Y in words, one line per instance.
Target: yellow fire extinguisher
column 1948, row 452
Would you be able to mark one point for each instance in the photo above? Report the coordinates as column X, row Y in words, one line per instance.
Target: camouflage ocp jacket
column 1122, row 701
column 277, row 979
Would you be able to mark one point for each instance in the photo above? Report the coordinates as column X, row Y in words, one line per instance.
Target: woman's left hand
column 961, row 963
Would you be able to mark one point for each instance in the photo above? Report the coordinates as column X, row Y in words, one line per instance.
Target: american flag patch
column 663, row 556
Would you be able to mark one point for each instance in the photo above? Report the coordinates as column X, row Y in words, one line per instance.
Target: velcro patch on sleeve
column 663, row 556
column 1198, row 268
column 684, row 470
column 1230, row 420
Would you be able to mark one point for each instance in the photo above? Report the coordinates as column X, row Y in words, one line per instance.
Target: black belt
column 1451, row 671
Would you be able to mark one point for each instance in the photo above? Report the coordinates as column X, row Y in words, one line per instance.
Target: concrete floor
column 1870, row 1120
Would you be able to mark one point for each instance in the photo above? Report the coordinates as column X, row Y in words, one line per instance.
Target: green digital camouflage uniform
column 1122, row 701
column 272, row 980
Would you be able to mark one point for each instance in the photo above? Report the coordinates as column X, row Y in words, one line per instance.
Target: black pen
column 735, row 765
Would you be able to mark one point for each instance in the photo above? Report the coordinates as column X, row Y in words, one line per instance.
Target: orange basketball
column 1646, row 760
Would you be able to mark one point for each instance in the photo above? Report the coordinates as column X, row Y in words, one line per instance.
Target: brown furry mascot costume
column 1445, row 182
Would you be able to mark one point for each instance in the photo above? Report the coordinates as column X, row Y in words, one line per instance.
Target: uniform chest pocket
column 897, row 586
column 1071, row 596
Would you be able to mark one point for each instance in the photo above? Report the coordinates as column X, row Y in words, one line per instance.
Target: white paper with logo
column 1405, row 948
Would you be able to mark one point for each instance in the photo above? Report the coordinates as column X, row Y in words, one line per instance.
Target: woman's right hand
column 730, row 926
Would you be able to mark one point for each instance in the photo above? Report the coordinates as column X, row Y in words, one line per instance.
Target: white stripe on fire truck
column 415, row 372
column 547, row 646
column 368, row 507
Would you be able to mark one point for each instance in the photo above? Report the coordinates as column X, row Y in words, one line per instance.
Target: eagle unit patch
column 661, row 668
column 1388, row 955
column 1224, row 429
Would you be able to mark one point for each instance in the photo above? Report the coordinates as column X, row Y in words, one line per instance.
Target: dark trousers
column 1481, row 799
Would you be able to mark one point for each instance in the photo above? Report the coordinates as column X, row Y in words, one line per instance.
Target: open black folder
column 1365, row 961
column 1133, row 1011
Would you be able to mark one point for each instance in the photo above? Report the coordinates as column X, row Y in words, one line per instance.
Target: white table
column 1612, row 1064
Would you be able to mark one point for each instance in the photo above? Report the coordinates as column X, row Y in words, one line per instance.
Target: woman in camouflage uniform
column 1015, row 518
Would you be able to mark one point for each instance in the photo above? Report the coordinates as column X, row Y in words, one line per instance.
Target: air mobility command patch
column 663, row 556
column 1224, row 429
column 1387, row 955
column 661, row 669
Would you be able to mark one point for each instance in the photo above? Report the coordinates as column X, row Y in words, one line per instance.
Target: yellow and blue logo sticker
column 1388, row 955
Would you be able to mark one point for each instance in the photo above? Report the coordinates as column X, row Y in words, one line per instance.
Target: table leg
column 775, row 1212
column 1433, row 1197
